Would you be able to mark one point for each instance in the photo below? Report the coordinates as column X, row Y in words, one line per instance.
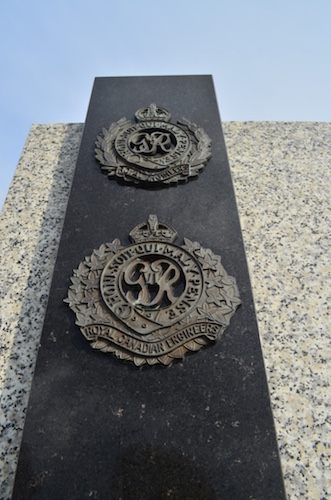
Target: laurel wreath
column 199, row 158
column 105, row 151
column 219, row 302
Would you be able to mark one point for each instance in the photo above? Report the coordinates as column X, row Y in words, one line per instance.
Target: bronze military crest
column 153, row 301
column 153, row 151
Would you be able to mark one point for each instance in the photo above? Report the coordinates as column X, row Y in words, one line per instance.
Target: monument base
column 99, row 427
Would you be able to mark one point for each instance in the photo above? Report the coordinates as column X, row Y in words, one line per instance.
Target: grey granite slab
column 281, row 176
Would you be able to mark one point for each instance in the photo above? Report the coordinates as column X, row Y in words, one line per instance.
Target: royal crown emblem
column 152, row 302
column 153, row 151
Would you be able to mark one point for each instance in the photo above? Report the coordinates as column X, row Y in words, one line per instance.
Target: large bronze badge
column 153, row 150
column 152, row 301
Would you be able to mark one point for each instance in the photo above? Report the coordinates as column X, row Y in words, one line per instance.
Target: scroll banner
column 154, row 177
column 181, row 337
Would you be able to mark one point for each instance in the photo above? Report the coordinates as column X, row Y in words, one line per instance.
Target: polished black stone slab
column 99, row 428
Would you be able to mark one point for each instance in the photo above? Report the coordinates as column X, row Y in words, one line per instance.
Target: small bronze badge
column 152, row 301
column 153, row 151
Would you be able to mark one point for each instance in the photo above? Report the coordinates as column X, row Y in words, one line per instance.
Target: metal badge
column 152, row 301
column 153, row 151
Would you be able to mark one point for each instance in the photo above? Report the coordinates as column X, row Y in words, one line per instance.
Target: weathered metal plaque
column 153, row 150
column 152, row 301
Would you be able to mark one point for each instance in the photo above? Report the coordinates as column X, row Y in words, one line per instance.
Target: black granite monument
column 100, row 427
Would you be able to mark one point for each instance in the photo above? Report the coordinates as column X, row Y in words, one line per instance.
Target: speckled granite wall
column 282, row 181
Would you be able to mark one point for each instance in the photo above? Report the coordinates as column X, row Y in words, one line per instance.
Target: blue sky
column 271, row 60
